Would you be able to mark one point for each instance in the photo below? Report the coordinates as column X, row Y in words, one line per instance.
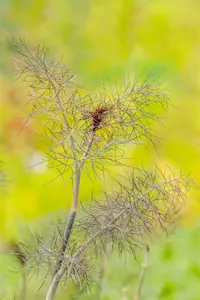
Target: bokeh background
column 103, row 41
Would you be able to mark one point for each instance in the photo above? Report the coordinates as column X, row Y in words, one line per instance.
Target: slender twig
column 67, row 231
column 144, row 266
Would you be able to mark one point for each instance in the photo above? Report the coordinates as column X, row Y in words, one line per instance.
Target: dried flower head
column 97, row 117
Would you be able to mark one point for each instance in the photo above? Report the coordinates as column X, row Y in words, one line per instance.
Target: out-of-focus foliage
column 173, row 273
column 103, row 41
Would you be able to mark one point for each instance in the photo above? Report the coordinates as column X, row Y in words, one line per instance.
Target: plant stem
column 72, row 214
column 58, row 276
column 67, row 231
column 54, row 283
column 70, row 220
column 142, row 273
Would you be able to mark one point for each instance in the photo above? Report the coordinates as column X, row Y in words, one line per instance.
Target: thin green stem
column 142, row 273
column 71, row 217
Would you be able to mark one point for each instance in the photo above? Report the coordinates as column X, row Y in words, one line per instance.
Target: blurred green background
column 104, row 41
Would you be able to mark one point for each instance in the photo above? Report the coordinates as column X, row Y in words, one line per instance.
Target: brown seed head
column 97, row 117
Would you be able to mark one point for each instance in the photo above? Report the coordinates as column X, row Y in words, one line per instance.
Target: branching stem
column 74, row 206
column 58, row 276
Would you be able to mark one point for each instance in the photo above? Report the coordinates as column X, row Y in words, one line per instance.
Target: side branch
column 67, row 232
column 58, row 276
